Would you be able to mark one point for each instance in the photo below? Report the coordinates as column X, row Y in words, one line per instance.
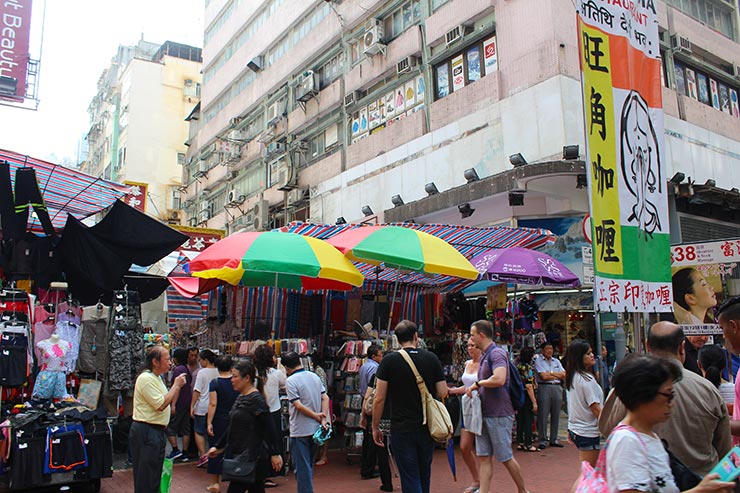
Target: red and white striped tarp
column 467, row 240
column 182, row 308
column 65, row 190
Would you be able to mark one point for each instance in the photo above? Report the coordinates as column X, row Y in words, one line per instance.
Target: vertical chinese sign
column 15, row 35
column 136, row 198
column 620, row 66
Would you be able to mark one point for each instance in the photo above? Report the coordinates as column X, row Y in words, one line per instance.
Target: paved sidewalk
column 548, row 471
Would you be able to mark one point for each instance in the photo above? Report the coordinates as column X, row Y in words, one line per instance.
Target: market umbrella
column 523, row 266
column 403, row 248
column 282, row 260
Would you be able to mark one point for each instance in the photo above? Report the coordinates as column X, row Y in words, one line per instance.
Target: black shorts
column 179, row 424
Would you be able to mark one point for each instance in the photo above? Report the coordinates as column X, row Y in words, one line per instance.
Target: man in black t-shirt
column 411, row 445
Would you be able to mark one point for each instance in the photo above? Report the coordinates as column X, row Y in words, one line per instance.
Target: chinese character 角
column 598, row 114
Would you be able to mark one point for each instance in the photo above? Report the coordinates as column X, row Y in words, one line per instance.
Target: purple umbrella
column 523, row 266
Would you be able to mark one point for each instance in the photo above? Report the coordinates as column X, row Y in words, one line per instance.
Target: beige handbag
column 436, row 416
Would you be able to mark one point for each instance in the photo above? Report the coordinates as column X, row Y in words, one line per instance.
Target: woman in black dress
column 222, row 396
column 251, row 434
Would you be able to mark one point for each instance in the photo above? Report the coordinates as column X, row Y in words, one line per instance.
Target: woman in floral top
column 525, row 416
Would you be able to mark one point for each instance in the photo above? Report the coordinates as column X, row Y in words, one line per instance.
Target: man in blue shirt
column 369, row 449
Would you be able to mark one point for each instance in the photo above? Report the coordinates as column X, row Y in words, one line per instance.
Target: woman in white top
column 712, row 361
column 273, row 380
column 467, row 438
column 585, row 400
column 635, row 458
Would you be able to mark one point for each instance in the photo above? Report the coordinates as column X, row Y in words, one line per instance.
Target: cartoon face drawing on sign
column 641, row 164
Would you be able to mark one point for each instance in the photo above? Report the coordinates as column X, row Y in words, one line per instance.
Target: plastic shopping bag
column 472, row 414
column 166, row 481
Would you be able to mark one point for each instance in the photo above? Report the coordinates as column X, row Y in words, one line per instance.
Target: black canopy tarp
column 95, row 259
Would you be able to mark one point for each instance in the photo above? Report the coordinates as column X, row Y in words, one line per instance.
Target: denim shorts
column 199, row 425
column 585, row 443
column 495, row 438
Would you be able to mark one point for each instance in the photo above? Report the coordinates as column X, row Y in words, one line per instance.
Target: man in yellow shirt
column 151, row 414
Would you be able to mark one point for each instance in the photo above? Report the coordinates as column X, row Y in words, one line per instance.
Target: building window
column 717, row 14
column 401, row 19
column 331, row 70
column 706, row 89
column 465, row 67
column 176, row 199
column 180, row 158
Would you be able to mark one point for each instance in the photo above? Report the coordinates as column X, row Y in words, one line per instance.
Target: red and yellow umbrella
column 284, row 260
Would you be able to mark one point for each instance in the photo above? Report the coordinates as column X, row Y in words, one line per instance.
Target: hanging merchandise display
column 125, row 341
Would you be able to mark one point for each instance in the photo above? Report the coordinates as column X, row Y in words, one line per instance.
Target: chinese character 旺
column 592, row 52
column 598, row 114
column 606, row 236
column 614, row 293
column 664, row 295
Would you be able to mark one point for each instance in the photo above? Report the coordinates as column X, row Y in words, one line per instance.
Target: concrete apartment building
column 138, row 128
column 378, row 110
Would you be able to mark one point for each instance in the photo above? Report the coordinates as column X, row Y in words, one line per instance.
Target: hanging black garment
column 149, row 286
column 28, row 193
column 137, row 236
column 96, row 259
column 34, row 257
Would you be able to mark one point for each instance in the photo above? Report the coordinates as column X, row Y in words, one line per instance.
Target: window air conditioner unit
column 261, row 215
column 233, row 198
column 351, row 98
column 406, row 64
column 273, row 148
column 204, row 205
column 256, row 64
column 308, row 87
column 287, row 177
column 235, row 121
column 202, row 168
column 272, row 113
column 204, row 215
column 173, row 215
column 372, row 40
column 235, row 153
column 680, row 44
column 297, row 195
column 454, row 34
column 302, row 145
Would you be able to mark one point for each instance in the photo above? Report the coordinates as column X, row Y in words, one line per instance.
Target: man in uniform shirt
column 151, row 415
column 550, row 374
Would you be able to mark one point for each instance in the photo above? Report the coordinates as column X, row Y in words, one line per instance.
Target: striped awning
column 65, row 190
column 467, row 240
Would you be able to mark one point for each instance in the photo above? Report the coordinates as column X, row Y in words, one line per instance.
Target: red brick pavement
column 547, row 471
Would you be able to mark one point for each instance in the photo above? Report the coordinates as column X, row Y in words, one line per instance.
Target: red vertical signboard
column 15, row 35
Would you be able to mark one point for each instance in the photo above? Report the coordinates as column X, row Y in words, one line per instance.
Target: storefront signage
column 136, row 198
column 701, row 329
column 199, row 238
column 716, row 252
column 15, row 34
column 620, row 65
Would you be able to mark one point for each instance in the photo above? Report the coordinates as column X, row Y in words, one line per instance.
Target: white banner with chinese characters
column 716, row 252
column 620, row 66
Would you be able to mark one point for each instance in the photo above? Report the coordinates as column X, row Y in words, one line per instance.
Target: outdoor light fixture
column 711, row 183
column 367, row 210
column 341, row 220
column 581, row 181
column 431, row 189
column 471, row 175
column 571, row 152
column 516, row 199
column 677, row 178
column 397, row 201
column 465, row 210
column 517, row 160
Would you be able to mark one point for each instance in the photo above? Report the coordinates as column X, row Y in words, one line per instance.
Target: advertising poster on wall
column 691, row 83
column 734, row 104
column 400, row 101
column 490, row 55
column 363, row 120
column 625, row 155
column 410, row 90
column 421, row 89
column 390, row 106
column 373, row 115
column 568, row 247
column 703, row 275
column 458, row 73
column 715, row 93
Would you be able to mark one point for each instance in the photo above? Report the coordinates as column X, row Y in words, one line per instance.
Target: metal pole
column 619, row 337
column 393, row 302
column 274, row 304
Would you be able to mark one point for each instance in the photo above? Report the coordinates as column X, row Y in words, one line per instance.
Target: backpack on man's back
column 513, row 382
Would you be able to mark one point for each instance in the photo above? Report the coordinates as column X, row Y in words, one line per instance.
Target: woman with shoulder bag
column 251, row 439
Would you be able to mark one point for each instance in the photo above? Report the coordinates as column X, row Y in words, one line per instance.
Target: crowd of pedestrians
column 676, row 402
